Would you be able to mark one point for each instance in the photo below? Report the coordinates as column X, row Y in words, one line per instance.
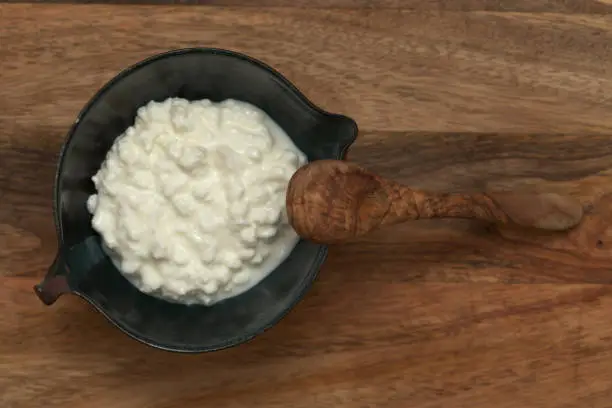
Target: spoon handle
column 548, row 211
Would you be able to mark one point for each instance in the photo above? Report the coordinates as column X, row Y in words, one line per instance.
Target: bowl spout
column 71, row 267
column 55, row 283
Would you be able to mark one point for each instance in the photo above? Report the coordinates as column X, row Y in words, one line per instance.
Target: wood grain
column 416, row 316
column 389, row 70
column 429, row 345
column 558, row 6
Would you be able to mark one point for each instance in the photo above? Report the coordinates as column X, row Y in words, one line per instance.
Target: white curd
column 190, row 200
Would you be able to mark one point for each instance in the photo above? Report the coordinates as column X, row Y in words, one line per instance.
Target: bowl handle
column 55, row 282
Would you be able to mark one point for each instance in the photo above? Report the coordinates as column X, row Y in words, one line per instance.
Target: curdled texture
column 190, row 200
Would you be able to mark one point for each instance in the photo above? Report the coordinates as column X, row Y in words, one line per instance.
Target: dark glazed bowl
column 83, row 269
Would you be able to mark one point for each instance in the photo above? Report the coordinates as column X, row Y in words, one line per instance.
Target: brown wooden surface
column 421, row 315
column 560, row 6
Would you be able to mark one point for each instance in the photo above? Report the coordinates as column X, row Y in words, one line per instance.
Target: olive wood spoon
column 333, row 201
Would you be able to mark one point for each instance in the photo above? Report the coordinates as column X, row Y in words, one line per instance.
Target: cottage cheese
column 190, row 200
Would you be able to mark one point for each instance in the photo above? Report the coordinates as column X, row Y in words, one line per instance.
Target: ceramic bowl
column 83, row 269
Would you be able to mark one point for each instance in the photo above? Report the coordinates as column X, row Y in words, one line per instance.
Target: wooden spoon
column 332, row 201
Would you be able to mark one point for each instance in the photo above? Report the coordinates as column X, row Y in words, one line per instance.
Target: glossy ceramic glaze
column 83, row 269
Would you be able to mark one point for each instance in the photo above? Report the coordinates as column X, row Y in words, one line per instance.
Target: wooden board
column 419, row 315
column 559, row 6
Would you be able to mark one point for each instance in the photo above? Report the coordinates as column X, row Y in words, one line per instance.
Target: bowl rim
column 321, row 254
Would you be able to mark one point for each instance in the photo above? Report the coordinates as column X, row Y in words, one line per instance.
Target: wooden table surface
column 457, row 95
